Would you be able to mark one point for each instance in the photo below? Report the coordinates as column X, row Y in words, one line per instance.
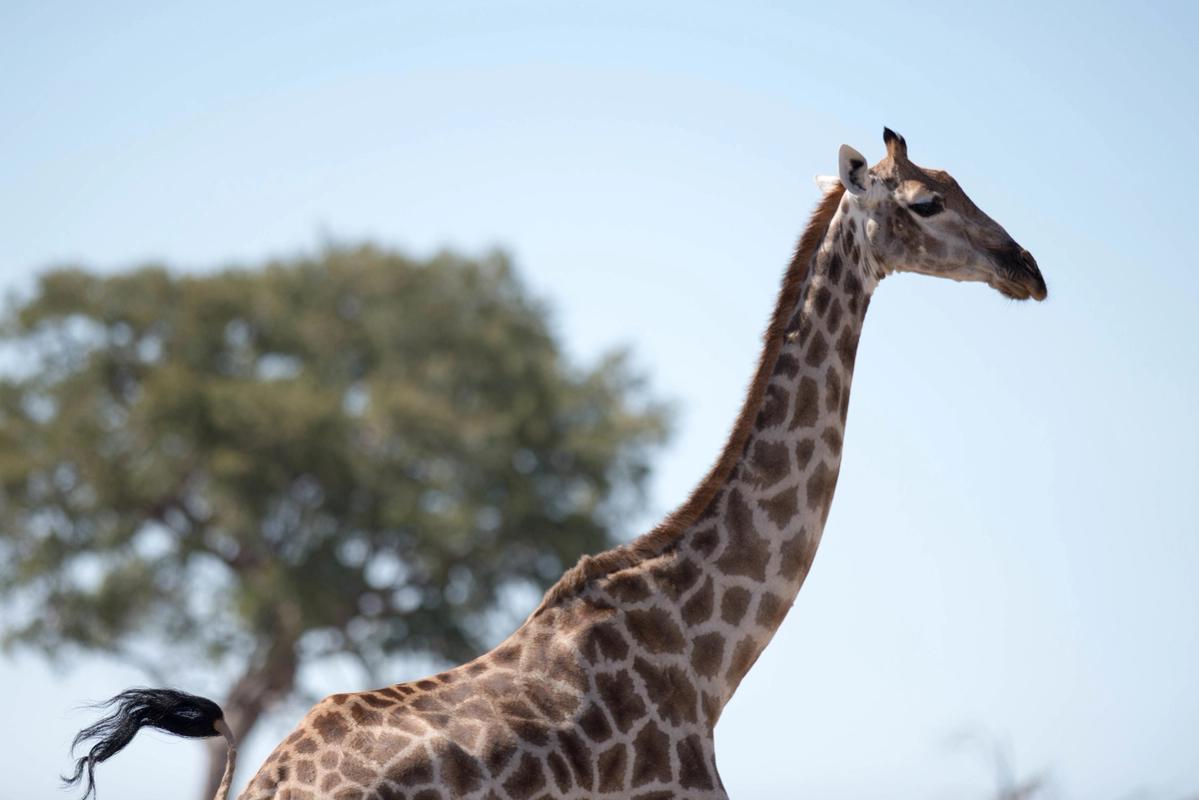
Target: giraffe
column 613, row 686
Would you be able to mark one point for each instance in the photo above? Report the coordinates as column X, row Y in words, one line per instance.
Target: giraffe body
column 613, row 686
column 523, row 722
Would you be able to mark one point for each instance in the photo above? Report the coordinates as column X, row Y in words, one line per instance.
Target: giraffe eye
column 928, row 208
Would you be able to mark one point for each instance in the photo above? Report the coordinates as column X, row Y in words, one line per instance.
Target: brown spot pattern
column 610, row 768
column 620, row 697
column 817, row 350
column 733, row 604
column 707, row 653
column 847, row 348
column 655, row 630
column 651, row 756
column 594, row 724
column 805, row 413
column 786, row 365
column 693, row 766
column 698, row 607
column 770, row 462
column 771, row 610
column 670, row 689
column 803, row 453
column 774, row 408
column 628, row 587
column 527, row 779
column 675, row 576
column 579, row 757
column 821, row 484
column 331, row 726
column 605, row 642
column 795, row 555
column 781, row 507
column 705, row 541
column 743, row 658
column 832, row 389
column 745, row 552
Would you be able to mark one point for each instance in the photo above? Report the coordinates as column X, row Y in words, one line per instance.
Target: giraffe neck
column 690, row 606
column 758, row 536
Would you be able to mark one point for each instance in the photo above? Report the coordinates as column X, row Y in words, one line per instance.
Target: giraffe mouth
column 1019, row 277
column 1019, row 290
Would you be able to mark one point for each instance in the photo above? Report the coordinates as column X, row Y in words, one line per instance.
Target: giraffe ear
column 826, row 183
column 854, row 173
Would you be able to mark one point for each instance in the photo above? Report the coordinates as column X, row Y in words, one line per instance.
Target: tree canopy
column 352, row 452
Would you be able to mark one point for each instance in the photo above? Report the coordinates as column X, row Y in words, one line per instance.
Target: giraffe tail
column 167, row 710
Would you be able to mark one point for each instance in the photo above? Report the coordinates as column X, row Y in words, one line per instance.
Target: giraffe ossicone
column 613, row 685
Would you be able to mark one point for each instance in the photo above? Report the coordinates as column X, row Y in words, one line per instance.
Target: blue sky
column 1015, row 539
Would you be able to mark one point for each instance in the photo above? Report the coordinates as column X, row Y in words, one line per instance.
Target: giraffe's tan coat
column 612, row 687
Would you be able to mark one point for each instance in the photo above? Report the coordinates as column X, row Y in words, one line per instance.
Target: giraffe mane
column 663, row 536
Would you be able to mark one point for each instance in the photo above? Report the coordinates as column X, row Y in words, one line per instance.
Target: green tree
column 354, row 453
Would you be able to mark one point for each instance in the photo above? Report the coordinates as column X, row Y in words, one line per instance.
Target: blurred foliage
column 356, row 452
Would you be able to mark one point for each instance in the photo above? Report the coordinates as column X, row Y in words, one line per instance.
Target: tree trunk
column 269, row 677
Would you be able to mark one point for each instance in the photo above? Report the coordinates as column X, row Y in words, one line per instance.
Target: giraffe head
column 919, row 220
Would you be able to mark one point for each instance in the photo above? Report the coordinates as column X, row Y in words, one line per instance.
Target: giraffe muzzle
column 1037, row 288
column 1018, row 275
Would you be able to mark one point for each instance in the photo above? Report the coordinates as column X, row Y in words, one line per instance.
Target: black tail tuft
column 168, row 710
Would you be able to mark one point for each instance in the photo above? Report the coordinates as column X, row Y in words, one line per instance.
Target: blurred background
column 335, row 331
